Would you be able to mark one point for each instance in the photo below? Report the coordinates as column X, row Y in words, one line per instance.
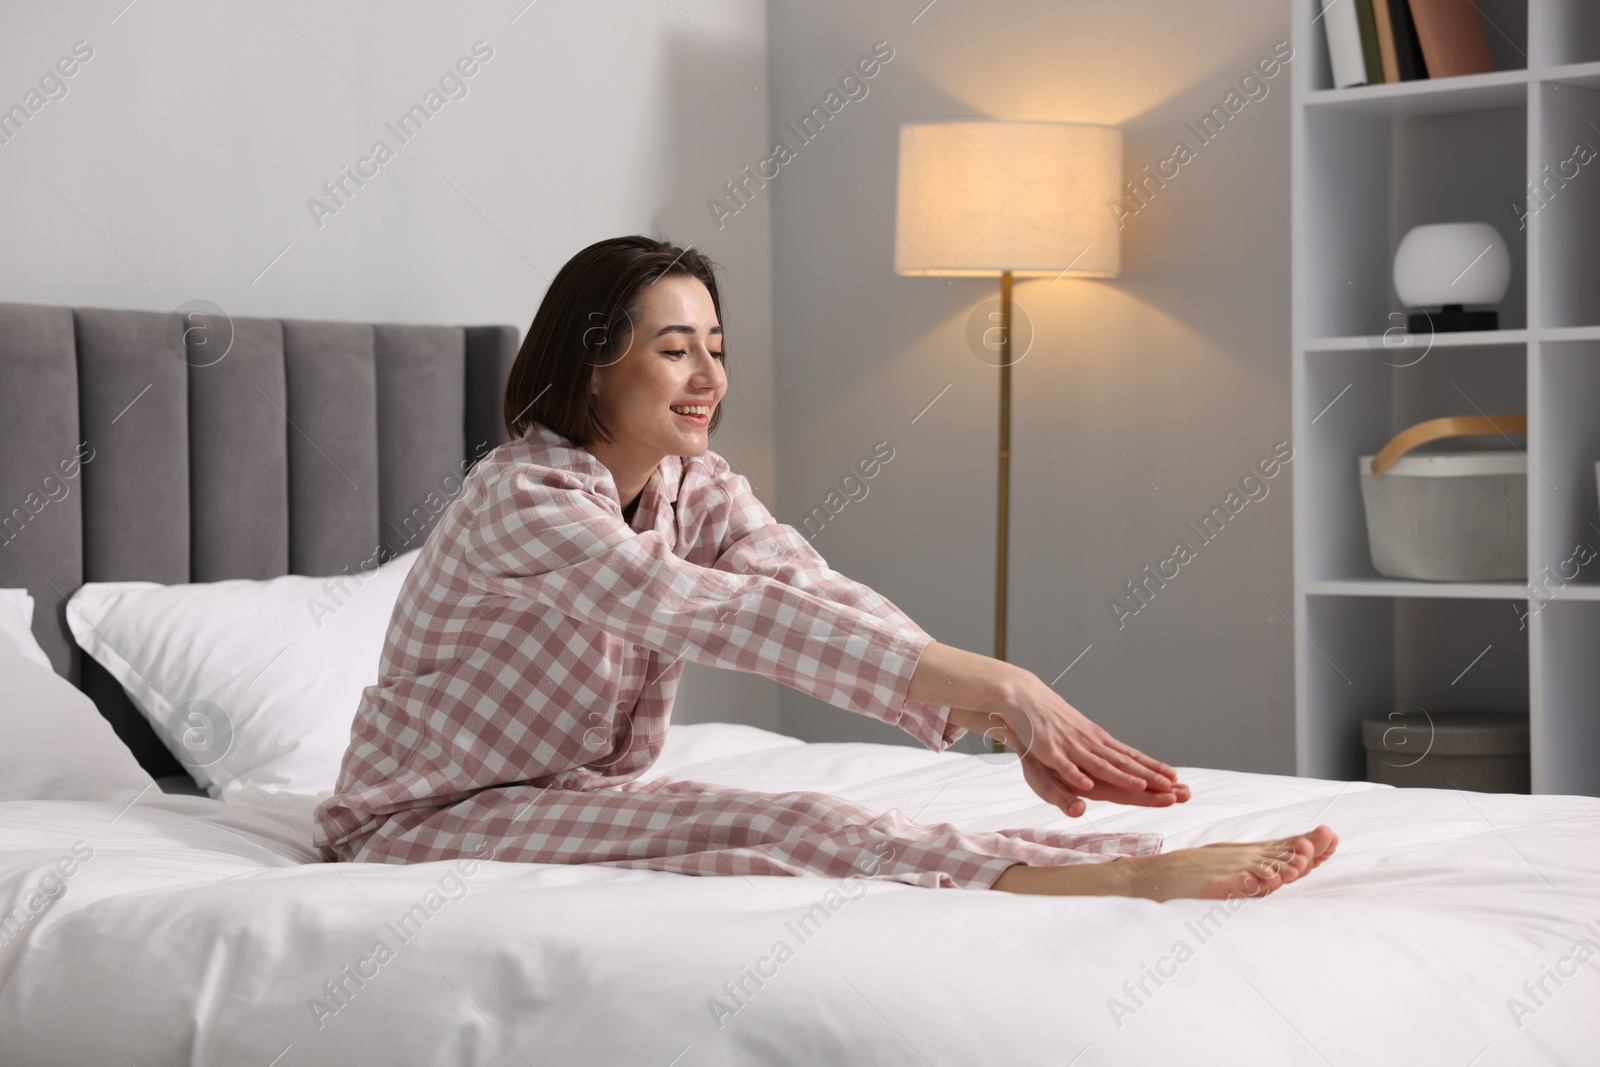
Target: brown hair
column 585, row 320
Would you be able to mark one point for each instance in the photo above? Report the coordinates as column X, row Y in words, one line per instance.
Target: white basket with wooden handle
column 1448, row 516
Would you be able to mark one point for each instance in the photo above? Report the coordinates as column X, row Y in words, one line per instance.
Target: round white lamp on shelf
column 1447, row 266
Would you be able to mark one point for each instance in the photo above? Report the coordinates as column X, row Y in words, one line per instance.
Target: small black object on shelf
column 1452, row 318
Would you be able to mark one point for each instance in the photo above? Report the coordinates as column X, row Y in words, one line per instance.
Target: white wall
column 1179, row 369
column 179, row 162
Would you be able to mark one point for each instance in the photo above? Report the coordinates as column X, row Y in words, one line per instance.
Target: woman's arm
column 1064, row 755
column 748, row 540
column 545, row 536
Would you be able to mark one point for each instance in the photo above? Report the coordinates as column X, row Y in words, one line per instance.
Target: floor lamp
column 1014, row 199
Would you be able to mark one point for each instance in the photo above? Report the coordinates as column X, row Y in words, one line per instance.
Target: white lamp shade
column 980, row 198
column 1452, row 263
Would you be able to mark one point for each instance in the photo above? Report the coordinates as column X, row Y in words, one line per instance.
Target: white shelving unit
column 1369, row 163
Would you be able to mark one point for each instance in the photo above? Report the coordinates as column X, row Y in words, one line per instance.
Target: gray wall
column 1175, row 376
column 178, row 164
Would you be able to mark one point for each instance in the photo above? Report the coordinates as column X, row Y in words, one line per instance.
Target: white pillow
column 54, row 744
column 247, row 682
column 16, row 626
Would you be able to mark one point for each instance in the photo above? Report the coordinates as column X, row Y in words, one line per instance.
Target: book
column 1386, row 46
column 1369, row 42
column 1408, row 50
column 1452, row 37
column 1343, row 33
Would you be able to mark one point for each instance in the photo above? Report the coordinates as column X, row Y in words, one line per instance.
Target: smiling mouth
column 698, row 414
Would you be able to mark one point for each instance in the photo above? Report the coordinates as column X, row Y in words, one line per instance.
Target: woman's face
column 672, row 363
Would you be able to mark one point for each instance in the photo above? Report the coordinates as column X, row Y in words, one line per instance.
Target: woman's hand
column 1143, row 797
column 1065, row 757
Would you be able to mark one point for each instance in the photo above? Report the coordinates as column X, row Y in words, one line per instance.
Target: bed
column 1450, row 927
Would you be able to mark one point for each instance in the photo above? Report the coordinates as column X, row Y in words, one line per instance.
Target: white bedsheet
column 199, row 933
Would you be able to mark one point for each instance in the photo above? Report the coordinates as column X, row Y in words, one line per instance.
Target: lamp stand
column 1004, row 494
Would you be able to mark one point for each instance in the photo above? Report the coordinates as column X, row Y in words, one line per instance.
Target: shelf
column 1506, row 26
column 1584, row 75
column 1368, row 163
column 1566, row 736
column 1568, row 333
column 1570, row 36
column 1567, row 441
column 1389, row 587
column 1572, row 592
column 1563, row 203
column 1464, row 339
column 1398, row 169
column 1368, row 655
column 1428, row 96
column 1352, row 402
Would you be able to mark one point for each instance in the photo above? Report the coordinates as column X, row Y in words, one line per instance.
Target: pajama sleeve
column 751, row 541
column 546, row 537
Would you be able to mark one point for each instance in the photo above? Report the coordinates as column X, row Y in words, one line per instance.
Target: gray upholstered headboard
column 304, row 449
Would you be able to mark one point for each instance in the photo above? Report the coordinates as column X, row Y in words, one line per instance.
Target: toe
column 1271, row 878
column 1296, row 857
column 1260, row 881
column 1299, row 850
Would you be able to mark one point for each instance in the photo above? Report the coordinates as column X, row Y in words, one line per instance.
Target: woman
column 529, row 670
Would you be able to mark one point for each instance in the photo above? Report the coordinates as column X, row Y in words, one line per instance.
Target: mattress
column 1448, row 928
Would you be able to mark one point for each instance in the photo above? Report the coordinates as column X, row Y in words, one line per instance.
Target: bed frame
column 129, row 451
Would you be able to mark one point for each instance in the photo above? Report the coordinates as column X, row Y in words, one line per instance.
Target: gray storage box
column 1448, row 516
column 1479, row 751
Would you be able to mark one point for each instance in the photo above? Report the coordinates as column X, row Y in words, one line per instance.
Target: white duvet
column 1450, row 928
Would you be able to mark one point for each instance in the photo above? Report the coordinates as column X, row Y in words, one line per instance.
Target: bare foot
column 1210, row 872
